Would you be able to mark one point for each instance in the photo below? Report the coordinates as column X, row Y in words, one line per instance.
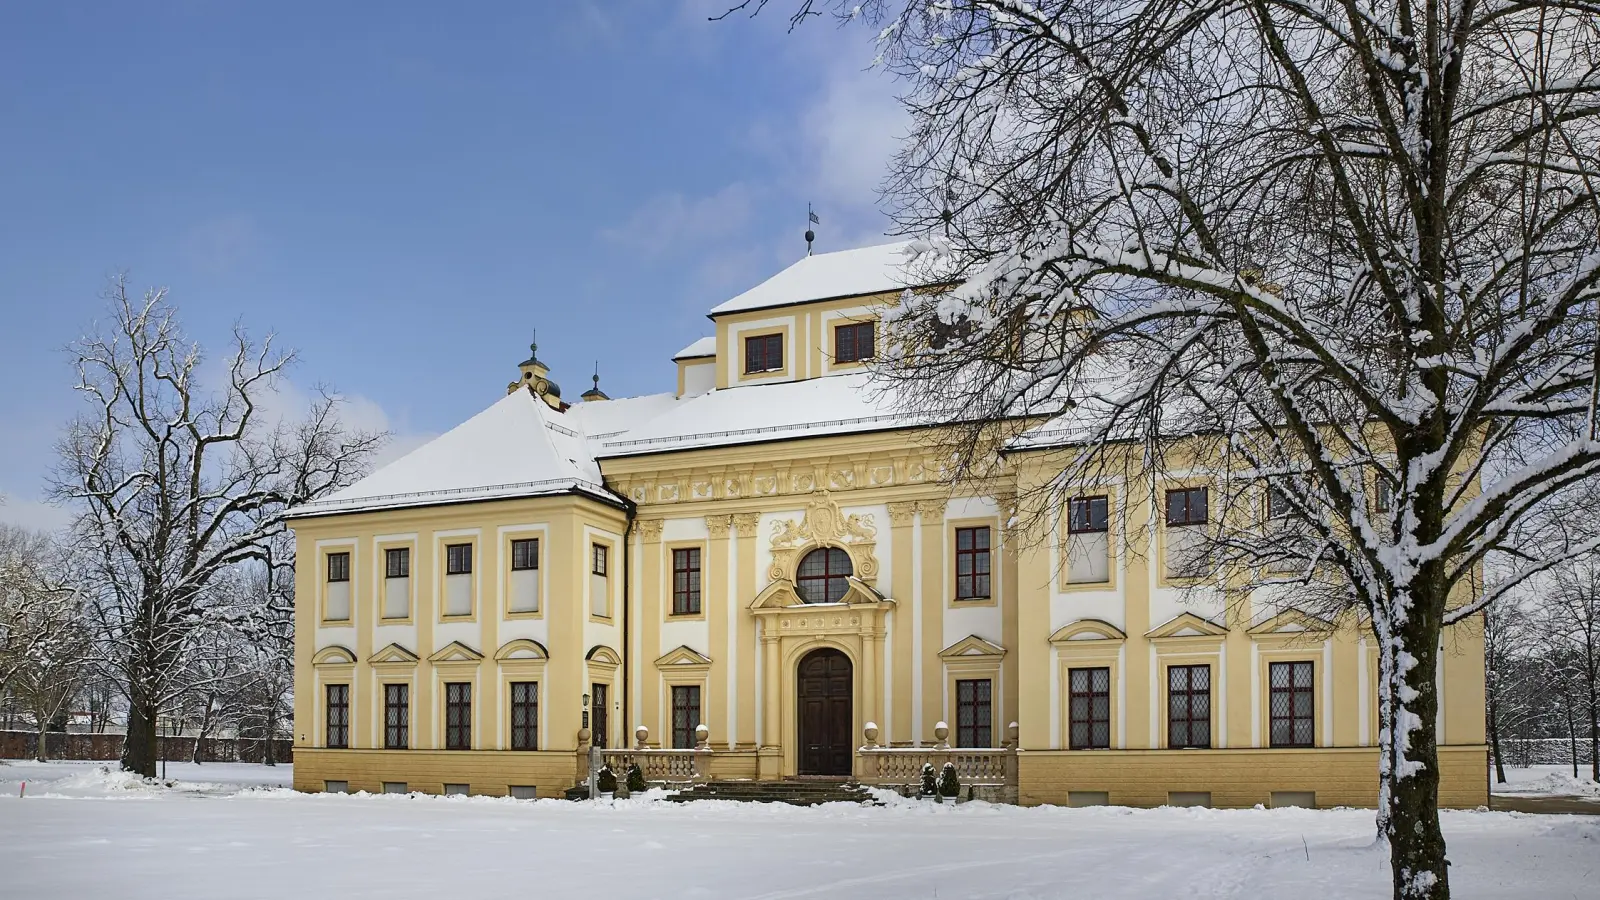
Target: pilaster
column 902, row 516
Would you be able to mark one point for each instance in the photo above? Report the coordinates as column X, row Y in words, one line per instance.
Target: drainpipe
column 627, row 631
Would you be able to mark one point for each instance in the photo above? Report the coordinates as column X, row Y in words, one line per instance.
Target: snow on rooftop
column 844, row 273
column 763, row 412
column 517, row 447
column 706, row 346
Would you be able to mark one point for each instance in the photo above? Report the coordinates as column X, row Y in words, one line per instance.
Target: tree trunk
column 1409, row 819
column 1494, row 745
column 40, row 752
column 1572, row 737
column 139, row 749
column 205, row 727
column 272, row 728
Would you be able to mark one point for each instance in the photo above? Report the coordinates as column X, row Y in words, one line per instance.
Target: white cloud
column 671, row 221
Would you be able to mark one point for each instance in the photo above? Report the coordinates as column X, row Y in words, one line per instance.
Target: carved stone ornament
column 824, row 525
column 649, row 529
column 717, row 526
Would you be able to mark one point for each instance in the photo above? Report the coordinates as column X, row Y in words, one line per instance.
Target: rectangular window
column 853, row 342
column 525, row 555
column 1382, row 495
column 1188, row 706
column 973, row 713
column 600, row 731
column 1088, row 540
column 524, row 715
column 338, row 567
column 524, row 576
column 1186, row 506
column 1090, row 705
column 458, row 715
column 685, row 715
column 1278, row 505
column 1088, row 515
column 458, row 559
column 599, row 586
column 396, row 716
column 686, row 582
column 1291, row 710
column 338, row 716
column 972, row 563
column 397, row 562
column 763, row 353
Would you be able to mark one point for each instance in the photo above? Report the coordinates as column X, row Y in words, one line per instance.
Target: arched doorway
column 825, row 706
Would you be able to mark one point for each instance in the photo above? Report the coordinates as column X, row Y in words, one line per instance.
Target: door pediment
column 782, row 594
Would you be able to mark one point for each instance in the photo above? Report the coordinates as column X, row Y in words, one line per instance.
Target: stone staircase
column 794, row 793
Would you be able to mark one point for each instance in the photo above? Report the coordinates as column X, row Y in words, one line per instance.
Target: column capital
column 718, row 526
column 747, row 524
column 902, row 512
column 932, row 511
column 649, row 529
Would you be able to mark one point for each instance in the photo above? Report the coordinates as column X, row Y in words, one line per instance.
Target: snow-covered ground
column 1540, row 781
column 80, row 831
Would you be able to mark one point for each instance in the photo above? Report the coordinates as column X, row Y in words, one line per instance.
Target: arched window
column 822, row 575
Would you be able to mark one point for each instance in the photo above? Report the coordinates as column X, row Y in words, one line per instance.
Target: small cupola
column 536, row 378
column 594, row 393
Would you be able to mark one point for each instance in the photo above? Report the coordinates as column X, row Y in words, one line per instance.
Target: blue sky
column 403, row 196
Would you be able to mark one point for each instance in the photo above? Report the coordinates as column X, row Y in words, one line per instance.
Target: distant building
column 769, row 550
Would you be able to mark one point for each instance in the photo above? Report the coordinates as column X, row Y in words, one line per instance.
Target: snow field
column 75, row 834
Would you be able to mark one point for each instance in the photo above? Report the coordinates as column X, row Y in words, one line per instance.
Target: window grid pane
column 1290, row 706
column 525, row 554
column 686, row 582
column 396, row 716
column 1087, row 514
column 973, row 713
column 458, row 559
column 685, row 715
column 338, row 567
column 1189, row 706
column 397, row 562
column 972, row 563
column 338, row 716
column 458, row 716
column 1089, row 704
column 524, row 715
column 824, row 575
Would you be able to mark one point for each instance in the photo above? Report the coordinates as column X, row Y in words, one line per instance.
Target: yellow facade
column 747, row 495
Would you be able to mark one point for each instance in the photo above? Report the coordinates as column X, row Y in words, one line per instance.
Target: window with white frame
column 458, row 580
column 338, row 587
column 599, row 579
column 1187, row 512
column 1088, row 540
column 397, row 583
column 524, row 576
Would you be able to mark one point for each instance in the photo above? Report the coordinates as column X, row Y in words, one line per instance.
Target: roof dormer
column 536, row 378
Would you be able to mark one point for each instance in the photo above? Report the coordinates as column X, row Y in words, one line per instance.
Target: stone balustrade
column 993, row 769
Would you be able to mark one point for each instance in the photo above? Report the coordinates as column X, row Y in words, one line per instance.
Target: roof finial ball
column 594, row 393
column 811, row 219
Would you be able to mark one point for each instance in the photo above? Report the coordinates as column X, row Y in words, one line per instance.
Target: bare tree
column 1345, row 250
column 1572, row 606
column 176, row 481
column 44, row 638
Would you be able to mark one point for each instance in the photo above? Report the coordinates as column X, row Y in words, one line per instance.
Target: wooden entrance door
column 825, row 713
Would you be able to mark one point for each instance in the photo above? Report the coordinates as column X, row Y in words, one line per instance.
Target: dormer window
column 763, row 353
column 854, row 342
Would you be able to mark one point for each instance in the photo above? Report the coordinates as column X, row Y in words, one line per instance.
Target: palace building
column 766, row 561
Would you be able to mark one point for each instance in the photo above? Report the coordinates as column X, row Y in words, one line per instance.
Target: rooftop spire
column 595, row 393
column 811, row 219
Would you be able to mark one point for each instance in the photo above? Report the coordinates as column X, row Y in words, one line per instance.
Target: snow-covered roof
column 706, row 346
column 518, row 447
column 745, row 414
column 845, row 273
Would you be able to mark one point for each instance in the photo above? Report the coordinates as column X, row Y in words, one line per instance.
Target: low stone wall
column 487, row 772
column 1342, row 776
column 108, row 746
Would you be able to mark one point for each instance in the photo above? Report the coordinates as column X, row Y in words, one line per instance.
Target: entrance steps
column 794, row 793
